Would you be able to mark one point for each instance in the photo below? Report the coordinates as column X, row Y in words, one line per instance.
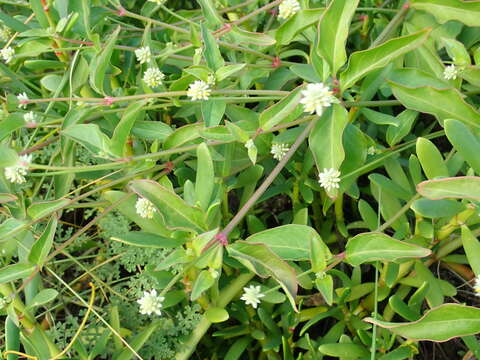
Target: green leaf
column 437, row 208
column 292, row 242
column 44, row 297
column 379, row 118
column 202, row 283
column 183, row 135
column 368, row 247
column 253, row 38
column 122, row 130
column 296, row 24
column 148, row 240
column 41, row 209
column 41, row 248
column 175, row 211
column 101, row 62
column 467, row 12
column 471, row 245
column 213, row 111
column 461, row 187
column 325, row 140
column 13, row 122
column 306, row 72
column 90, row 136
column 15, row 272
column 264, row 262
column 226, row 71
column 282, row 110
column 333, row 32
column 51, row 82
column 8, row 157
column 465, row 142
column 344, row 350
column 361, row 63
column 216, row 315
column 405, row 122
column 13, row 23
column 439, row 324
column 430, row 158
column 205, row 179
column 127, row 208
column 137, row 341
column 325, row 286
column 151, row 130
column 442, row 103
column 212, row 53
column 457, row 52
column 210, row 13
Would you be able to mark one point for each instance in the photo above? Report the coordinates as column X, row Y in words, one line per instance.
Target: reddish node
column 276, row 62
column 108, row 100
column 273, row 11
column 121, row 11
column 222, row 239
column 406, row 6
column 31, row 125
column 23, row 102
column 364, row 17
column 169, row 166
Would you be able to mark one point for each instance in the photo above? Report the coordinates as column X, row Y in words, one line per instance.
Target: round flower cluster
column 279, row 151
column 288, row 8
column 450, row 72
column 143, row 55
column 145, row 208
column 329, row 179
column 153, row 77
column 16, row 173
column 199, row 90
column 7, row 54
column 252, row 295
column 150, row 303
column 316, row 97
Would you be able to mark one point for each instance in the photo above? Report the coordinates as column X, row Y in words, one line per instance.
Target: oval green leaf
column 374, row 246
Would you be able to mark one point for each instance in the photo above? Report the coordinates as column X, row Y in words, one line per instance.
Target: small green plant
column 240, row 180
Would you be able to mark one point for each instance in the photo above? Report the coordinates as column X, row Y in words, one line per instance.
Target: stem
column 392, row 26
column 225, row 296
column 256, row 195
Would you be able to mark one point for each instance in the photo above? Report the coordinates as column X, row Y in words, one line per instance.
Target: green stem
column 225, row 296
column 256, row 195
column 392, row 26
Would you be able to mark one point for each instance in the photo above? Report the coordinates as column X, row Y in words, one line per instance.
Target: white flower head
column 7, row 54
column 23, row 100
column 329, row 179
column 211, row 79
column 153, row 77
column 143, row 54
column 249, row 144
column 279, row 151
column 450, row 72
column 371, row 150
column 288, row 8
column 158, row 2
column 30, row 117
column 16, row 173
column 252, row 295
column 150, row 303
column 476, row 286
column 199, row 90
column 317, row 97
column 5, row 33
column 145, row 208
